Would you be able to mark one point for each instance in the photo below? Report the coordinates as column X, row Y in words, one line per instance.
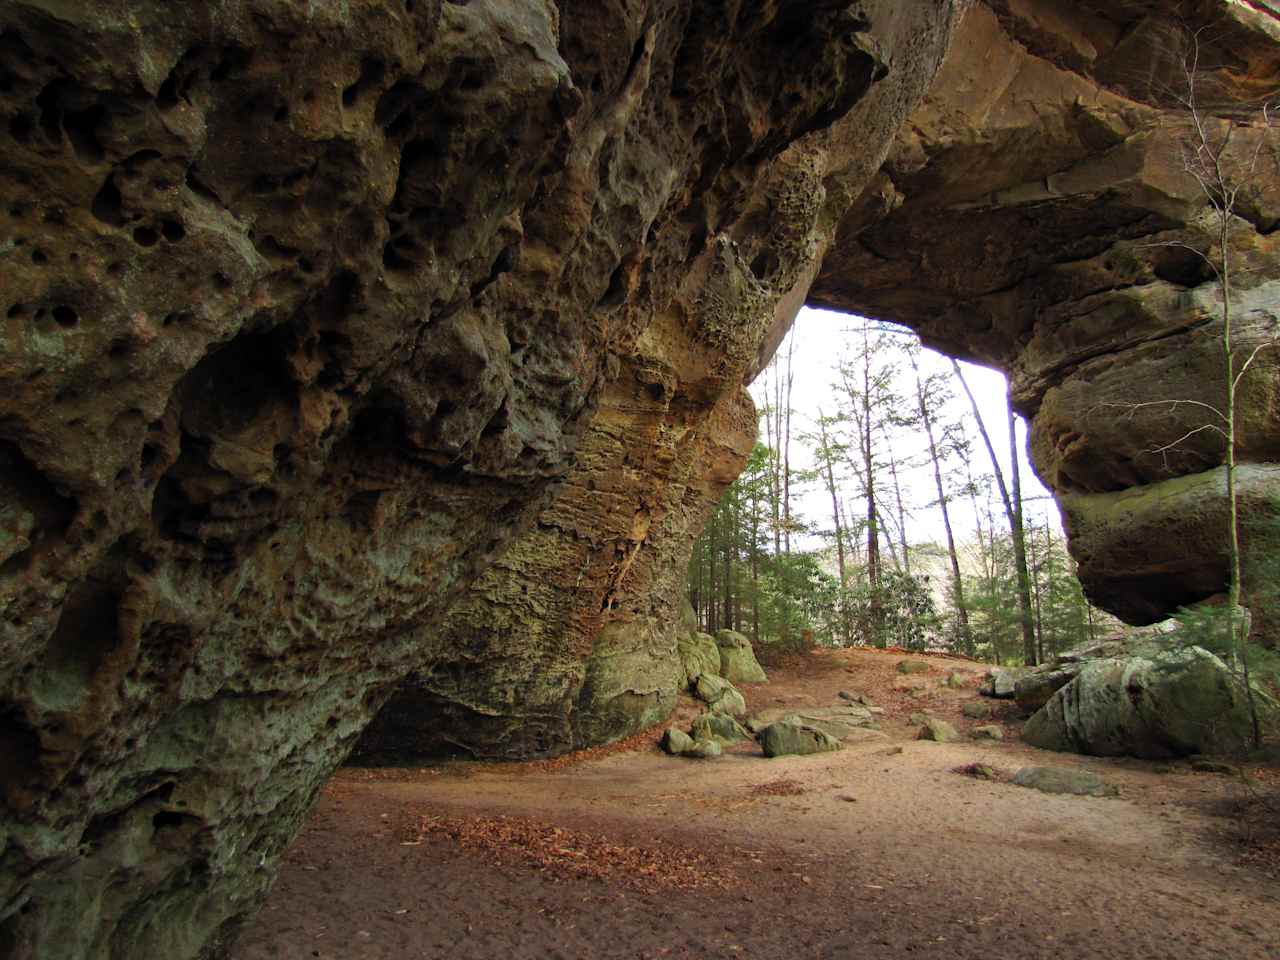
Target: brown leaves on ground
column 1253, row 815
column 559, row 853
column 781, row 787
column 644, row 740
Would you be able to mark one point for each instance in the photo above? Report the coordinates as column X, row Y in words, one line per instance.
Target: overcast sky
column 821, row 337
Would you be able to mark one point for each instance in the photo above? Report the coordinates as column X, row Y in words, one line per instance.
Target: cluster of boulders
column 712, row 665
column 780, row 732
column 1156, row 695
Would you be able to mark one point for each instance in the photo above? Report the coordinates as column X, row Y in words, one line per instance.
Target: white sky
column 821, row 337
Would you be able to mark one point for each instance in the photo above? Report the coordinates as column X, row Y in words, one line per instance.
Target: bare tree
column 1225, row 177
column 1013, row 512
column 925, row 410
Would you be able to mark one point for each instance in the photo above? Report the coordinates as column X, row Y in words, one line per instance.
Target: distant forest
column 992, row 583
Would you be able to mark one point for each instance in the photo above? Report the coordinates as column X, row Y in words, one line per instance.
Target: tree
column 1224, row 177
column 1013, row 511
column 927, row 398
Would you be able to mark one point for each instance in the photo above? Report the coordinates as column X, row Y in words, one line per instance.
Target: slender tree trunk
column 1235, row 629
column 828, row 471
column 957, row 582
column 1020, row 547
column 786, row 455
column 828, row 465
column 775, row 490
column 728, row 581
column 902, row 511
column 755, row 563
column 873, row 520
column 1036, row 561
column 1013, row 511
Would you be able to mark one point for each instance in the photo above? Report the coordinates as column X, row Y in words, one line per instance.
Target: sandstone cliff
column 309, row 308
column 1042, row 221
column 351, row 341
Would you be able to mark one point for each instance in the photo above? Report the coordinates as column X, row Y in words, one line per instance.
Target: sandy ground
column 881, row 850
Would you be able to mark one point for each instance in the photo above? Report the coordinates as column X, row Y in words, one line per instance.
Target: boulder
column 704, row 750
column 784, row 738
column 698, row 655
column 939, row 731
column 912, row 666
column 1064, row 780
column 720, row 695
column 837, row 722
column 977, row 710
column 718, row 726
column 1033, row 690
column 1001, row 682
column 738, row 662
column 1169, row 703
column 988, row 732
column 676, row 742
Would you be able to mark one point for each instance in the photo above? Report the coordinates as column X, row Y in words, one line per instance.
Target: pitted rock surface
column 314, row 311
column 350, row 342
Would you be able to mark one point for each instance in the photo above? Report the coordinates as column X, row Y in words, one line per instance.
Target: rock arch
column 428, row 359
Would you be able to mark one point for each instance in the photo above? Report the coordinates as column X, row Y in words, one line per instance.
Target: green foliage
column 899, row 613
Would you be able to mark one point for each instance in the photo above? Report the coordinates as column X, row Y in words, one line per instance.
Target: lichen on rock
column 352, row 341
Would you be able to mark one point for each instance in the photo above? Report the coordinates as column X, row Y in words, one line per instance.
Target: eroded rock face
column 310, row 311
column 570, row 638
column 1036, row 215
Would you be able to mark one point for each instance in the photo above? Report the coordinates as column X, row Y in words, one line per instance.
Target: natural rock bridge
column 353, row 341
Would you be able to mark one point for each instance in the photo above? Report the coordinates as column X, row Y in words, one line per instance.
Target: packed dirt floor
column 880, row 850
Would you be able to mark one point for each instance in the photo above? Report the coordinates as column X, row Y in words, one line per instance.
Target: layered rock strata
column 310, row 308
column 571, row 638
column 1037, row 215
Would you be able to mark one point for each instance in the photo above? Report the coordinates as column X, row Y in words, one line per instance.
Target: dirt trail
column 880, row 850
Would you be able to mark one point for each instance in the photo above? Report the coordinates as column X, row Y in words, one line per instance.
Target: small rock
column 939, row 731
column 988, row 732
column 718, row 726
column 703, row 750
column 979, row 771
column 976, row 710
column 720, row 695
column 912, row 666
column 676, row 742
column 846, row 695
column 1064, row 780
